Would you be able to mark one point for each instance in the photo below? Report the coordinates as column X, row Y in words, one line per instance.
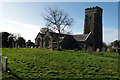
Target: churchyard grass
column 34, row 63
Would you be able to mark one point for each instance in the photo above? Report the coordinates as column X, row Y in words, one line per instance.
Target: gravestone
column 31, row 46
column 75, row 49
column 108, row 50
column 18, row 47
column 116, row 49
column 83, row 49
column 4, row 63
column 97, row 50
column 103, row 49
column 89, row 50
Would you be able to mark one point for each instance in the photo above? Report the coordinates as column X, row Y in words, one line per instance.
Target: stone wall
column 93, row 23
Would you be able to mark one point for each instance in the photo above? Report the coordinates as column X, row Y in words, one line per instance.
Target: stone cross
column 5, row 63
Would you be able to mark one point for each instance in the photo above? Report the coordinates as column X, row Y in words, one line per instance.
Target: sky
column 25, row 18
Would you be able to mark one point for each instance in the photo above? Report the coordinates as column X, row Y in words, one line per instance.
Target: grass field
column 26, row 63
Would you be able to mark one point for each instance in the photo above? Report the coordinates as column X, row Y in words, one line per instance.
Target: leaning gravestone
column 4, row 63
column 89, row 50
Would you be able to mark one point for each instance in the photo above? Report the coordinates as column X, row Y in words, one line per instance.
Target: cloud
column 110, row 35
column 25, row 26
column 28, row 31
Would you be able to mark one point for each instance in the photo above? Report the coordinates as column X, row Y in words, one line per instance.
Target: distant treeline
column 10, row 40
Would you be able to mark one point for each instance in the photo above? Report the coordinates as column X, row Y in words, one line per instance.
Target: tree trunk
column 59, row 39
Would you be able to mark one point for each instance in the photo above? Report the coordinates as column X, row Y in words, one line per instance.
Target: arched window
column 47, row 42
column 38, row 41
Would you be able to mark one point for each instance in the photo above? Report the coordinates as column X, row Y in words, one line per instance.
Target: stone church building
column 91, row 38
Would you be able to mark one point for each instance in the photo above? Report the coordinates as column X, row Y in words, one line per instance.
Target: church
column 91, row 38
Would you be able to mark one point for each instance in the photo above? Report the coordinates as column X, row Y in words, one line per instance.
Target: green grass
column 27, row 63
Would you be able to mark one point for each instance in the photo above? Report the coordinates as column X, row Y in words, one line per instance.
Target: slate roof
column 42, row 35
column 81, row 37
column 55, row 36
column 78, row 37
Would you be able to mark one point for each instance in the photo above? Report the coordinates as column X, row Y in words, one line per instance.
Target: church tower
column 93, row 24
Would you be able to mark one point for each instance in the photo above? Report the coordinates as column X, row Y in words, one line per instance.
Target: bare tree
column 44, row 30
column 58, row 21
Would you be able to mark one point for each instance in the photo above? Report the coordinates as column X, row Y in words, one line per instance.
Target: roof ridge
column 88, row 35
column 81, row 37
